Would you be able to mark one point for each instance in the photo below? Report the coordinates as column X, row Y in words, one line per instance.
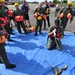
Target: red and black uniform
column 53, row 42
column 19, row 17
column 4, row 21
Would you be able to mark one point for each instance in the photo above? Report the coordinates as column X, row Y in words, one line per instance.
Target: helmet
column 16, row 4
column 39, row 18
column 70, row 3
column 2, row 0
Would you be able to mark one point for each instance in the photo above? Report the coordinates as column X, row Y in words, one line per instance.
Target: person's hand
column 54, row 32
column 57, row 39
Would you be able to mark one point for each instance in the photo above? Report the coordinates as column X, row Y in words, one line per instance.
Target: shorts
column 10, row 18
column 26, row 16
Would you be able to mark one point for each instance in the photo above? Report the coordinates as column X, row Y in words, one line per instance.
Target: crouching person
column 55, row 35
column 18, row 17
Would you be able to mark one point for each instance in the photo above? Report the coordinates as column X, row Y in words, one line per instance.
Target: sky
column 43, row 0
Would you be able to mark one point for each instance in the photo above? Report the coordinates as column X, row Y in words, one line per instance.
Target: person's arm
column 61, row 11
column 2, row 39
column 28, row 7
column 50, row 31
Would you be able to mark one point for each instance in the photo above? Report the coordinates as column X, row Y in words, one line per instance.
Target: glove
column 54, row 32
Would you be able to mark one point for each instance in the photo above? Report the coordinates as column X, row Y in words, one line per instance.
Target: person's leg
column 27, row 18
column 59, row 45
column 40, row 26
column 7, row 28
column 36, row 27
column 18, row 27
column 50, row 44
column 24, row 28
column 4, row 57
column 48, row 21
column 44, row 24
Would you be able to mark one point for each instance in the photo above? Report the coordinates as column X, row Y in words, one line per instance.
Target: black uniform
column 40, row 10
column 47, row 16
column 3, row 56
column 18, row 12
column 3, row 14
column 53, row 42
column 64, row 19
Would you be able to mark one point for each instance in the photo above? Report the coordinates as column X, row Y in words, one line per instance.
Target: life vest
column 61, row 15
column 10, row 12
column 31, row 29
column 51, row 36
column 58, row 35
column 4, row 21
column 19, row 18
column 69, row 16
column 35, row 15
column 44, row 17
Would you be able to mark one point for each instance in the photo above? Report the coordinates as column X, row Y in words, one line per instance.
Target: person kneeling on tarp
column 19, row 18
column 55, row 34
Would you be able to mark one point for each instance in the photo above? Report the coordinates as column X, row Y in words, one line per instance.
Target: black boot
column 1, row 61
column 35, row 34
column 40, row 32
column 11, row 66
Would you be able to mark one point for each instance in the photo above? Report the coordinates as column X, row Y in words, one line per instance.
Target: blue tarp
column 31, row 56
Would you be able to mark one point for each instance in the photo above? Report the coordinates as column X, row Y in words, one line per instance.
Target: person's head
column 57, row 22
column 69, row 4
column 45, row 1
column 16, row 5
column 24, row 1
column 2, row 2
column 40, row 4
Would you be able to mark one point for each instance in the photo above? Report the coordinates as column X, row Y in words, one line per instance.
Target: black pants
column 47, row 22
column 38, row 26
column 19, row 25
column 3, row 55
column 7, row 28
column 64, row 23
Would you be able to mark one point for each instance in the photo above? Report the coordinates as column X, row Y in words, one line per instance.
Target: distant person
column 46, row 7
column 25, row 9
column 66, row 14
column 3, row 55
column 40, row 12
column 4, row 17
column 18, row 17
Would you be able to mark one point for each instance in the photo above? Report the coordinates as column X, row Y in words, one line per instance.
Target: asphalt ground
column 70, row 26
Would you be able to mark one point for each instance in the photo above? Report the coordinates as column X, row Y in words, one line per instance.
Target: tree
column 64, row 1
column 55, row 1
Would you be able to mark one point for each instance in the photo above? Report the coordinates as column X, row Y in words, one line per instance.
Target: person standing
column 18, row 17
column 46, row 7
column 25, row 9
column 39, row 19
column 3, row 55
column 63, row 15
column 4, row 17
column 55, row 34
